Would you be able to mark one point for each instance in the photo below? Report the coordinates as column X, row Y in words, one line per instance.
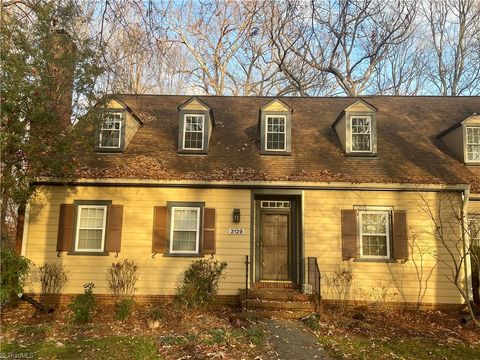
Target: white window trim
column 370, row 133
column 104, row 227
column 284, row 117
column 374, row 211
column 202, row 116
column 472, row 219
column 197, row 237
column 467, row 143
column 119, row 134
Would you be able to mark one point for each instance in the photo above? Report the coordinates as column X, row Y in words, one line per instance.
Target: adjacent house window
column 185, row 230
column 374, row 229
column 276, row 132
column 193, row 132
column 361, row 133
column 111, row 130
column 90, row 230
column 473, row 143
column 475, row 231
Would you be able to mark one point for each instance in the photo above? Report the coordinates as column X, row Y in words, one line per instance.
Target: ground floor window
column 374, row 230
column 91, row 224
column 185, row 230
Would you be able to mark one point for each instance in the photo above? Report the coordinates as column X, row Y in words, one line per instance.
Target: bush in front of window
column 83, row 306
column 200, row 283
column 122, row 278
column 14, row 270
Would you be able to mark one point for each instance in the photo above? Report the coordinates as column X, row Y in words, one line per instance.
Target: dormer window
column 194, row 127
column 361, row 133
column 473, row 143
column 276, row 132
column 111, row 130
column 275, row 127
column 356, row 128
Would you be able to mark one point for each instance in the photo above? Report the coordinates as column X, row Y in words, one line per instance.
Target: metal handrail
column 314, row 277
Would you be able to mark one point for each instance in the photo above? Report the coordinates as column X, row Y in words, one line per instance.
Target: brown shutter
column 159, row 237
column 400, row 237
column 349, row 234
column 208, row 246
column 65, row 227
column 113, row 239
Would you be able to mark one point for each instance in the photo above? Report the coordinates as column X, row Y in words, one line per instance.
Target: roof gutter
column 253, row 184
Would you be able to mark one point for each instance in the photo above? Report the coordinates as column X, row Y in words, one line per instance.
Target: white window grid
column 474, row 227
column 267, row 204
column 276, row 127
column 361, row 126
column 473, row 143
column 111, row 130
column 173, row 229
column 80, row 210
column 194, row 126
column 386, row 234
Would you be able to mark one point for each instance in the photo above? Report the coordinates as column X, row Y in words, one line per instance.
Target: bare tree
column 455, row 44
column 346, row 39
column 450, row 230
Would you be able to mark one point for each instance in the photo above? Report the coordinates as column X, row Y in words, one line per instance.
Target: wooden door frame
column 296, row 229
column 290, row 244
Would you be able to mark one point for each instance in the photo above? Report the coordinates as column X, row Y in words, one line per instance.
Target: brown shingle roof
column 408, row 148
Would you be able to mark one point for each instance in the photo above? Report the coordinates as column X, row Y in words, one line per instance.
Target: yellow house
column 355, row 199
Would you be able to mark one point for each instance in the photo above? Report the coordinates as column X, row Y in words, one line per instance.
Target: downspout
column 467, row 267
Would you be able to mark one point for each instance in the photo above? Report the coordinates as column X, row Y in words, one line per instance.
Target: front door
column 274, row 246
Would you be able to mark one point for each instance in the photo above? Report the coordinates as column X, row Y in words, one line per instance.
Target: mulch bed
column 218, row 333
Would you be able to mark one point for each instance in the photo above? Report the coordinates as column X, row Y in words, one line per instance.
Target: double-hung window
column 185, row 230
column 361, row 133
column 276, row 132
column 474, row 227
column 194, row 127
column 111, row 130
column 374, row 230
column 473, row 143
column 90, row 229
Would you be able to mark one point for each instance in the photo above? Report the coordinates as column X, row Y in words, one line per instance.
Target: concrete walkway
column 291, row 340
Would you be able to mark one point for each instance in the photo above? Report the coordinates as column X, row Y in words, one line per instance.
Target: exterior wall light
column 236, row 215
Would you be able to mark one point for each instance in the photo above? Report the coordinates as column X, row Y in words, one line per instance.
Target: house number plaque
column 236, row 231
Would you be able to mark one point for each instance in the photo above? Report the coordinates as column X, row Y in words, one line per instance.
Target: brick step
column 276, row 285
column 277, row 294
column 290, row 315
column 279, row 306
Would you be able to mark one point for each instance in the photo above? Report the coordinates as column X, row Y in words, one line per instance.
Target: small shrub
column 53, row 278
column 215, row 336
column 124, row 309
column 200, row 283
column 254, row 335
column 122, row 277
column 14, row 270
column 311, row 321
column 155, row 313
column 83, row 305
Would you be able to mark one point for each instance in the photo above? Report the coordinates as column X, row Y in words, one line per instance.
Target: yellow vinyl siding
column 159, row 275
column 322, row 238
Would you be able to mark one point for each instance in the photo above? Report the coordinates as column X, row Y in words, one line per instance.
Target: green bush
column 155, row 313
column 311, row 321
column 124, row 309
column 200, row 283
column 14, row 270
column 83, row 305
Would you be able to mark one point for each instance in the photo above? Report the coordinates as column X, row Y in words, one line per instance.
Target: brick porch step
column 291, row 315
column 277, row 294
column 275, row 305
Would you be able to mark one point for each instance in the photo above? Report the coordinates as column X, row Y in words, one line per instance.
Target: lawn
column 394, row 334
column 220, row 333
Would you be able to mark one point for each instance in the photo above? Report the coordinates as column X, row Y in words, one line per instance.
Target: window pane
column 361, row 132
column 185, row 229
column 110, row 130
column 374, row 245
column 473, row 143
column 90, row 232
column 275, row 133
column 194, row 126
column 184, row 240
column 475, row 231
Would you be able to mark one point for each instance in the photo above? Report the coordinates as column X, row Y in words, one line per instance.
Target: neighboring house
column 345, row 181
